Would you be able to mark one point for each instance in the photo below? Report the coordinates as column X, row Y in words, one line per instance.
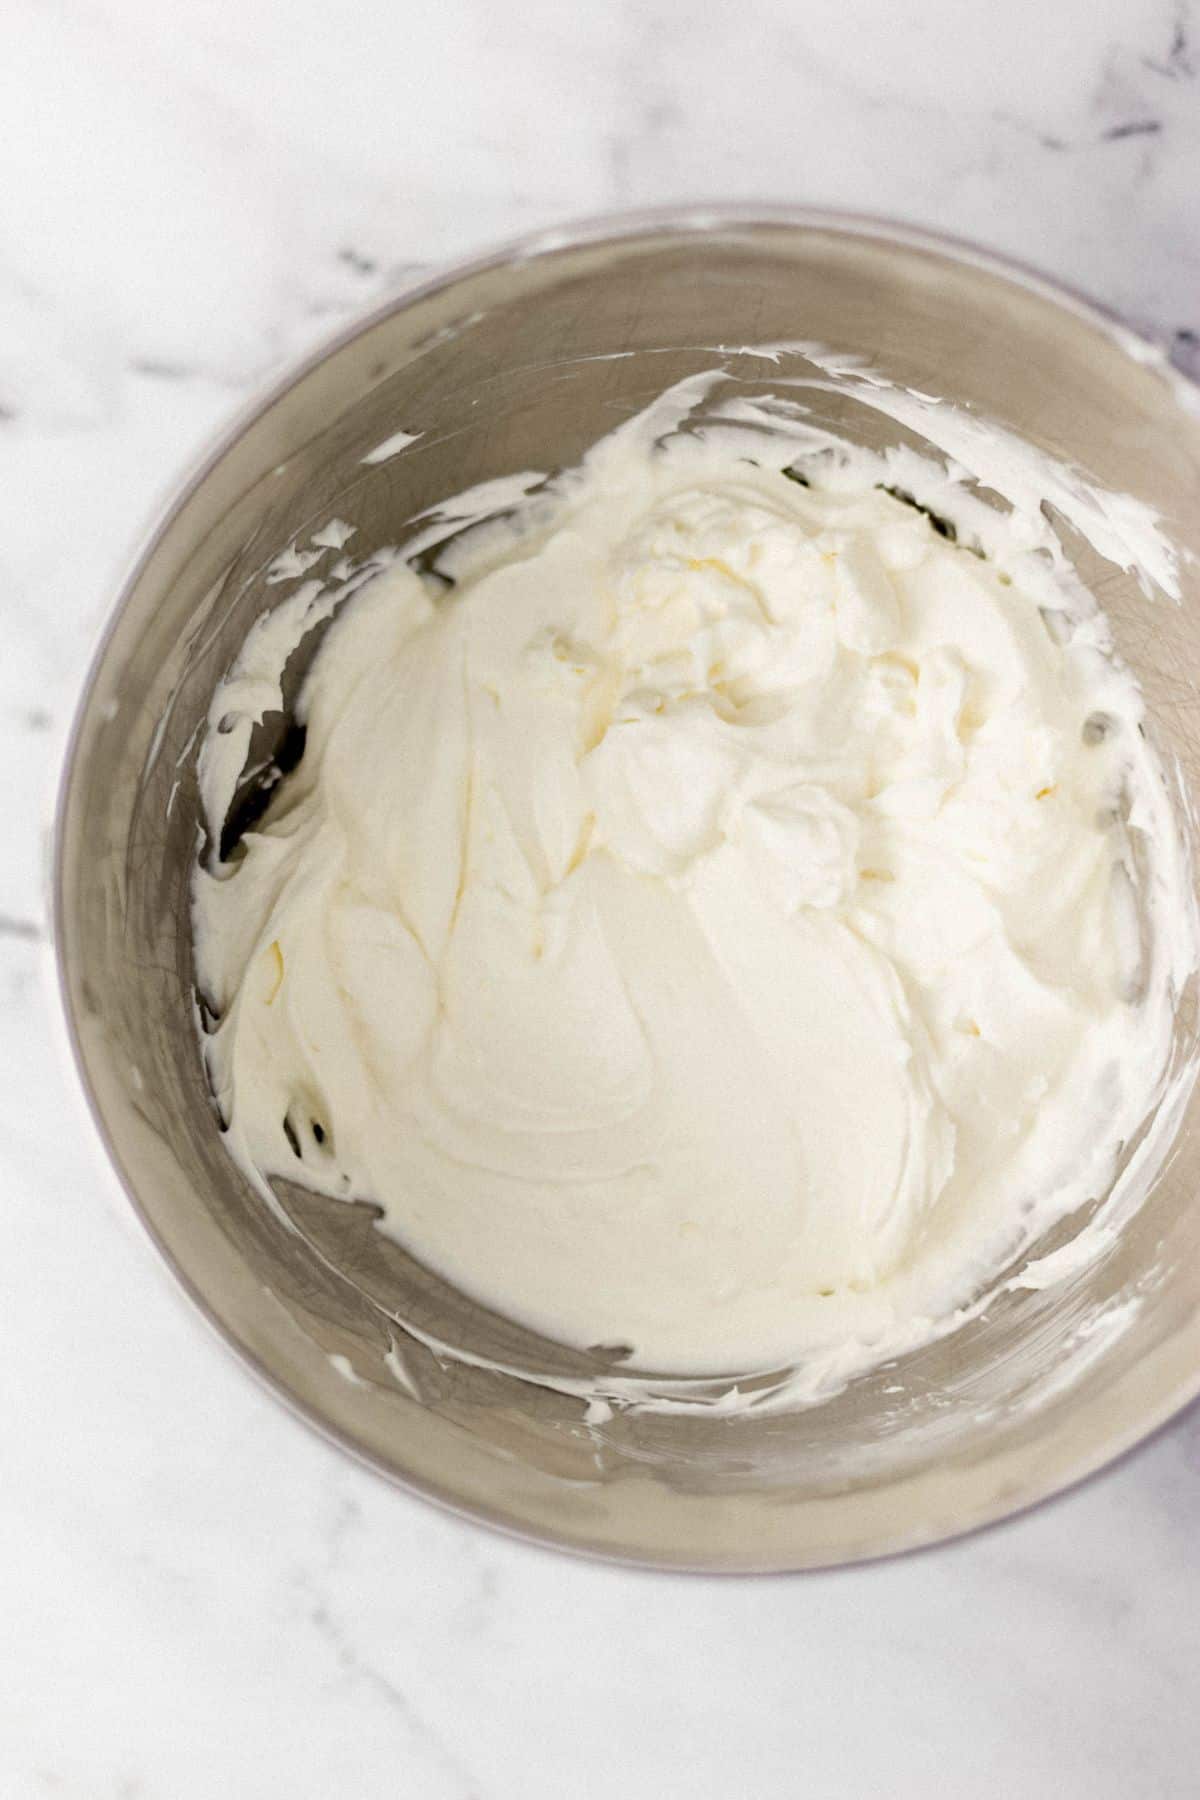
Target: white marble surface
column 197, row 1598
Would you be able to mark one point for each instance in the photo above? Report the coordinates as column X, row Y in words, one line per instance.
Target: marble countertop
column 197, row 1597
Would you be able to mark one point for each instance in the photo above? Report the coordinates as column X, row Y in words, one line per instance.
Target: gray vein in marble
column 1112, row 134
column 1115, row 92
column 458, row 1780
column 356, row 1667
column 1185, row 351
column 357, row 262
column 161, row 370
column 1131, row 128
column 1178, row 64
column 20, row 928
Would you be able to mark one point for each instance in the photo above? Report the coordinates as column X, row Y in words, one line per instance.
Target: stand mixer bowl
column 519, row 361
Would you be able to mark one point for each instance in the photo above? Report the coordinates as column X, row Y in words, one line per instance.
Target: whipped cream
column 729, row 914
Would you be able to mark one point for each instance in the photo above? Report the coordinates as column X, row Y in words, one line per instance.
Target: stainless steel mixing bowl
column 513, row 362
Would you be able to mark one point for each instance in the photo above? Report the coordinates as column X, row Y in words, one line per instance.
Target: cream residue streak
column 733, row 923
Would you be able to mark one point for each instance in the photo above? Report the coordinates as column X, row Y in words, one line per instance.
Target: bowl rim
column 617, row 226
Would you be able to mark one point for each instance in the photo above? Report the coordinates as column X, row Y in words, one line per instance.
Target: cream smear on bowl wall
column 728, row 908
